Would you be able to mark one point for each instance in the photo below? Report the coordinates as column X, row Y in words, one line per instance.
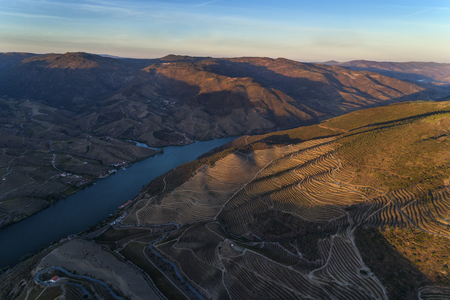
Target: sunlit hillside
column 318, row 217
column 356, row 207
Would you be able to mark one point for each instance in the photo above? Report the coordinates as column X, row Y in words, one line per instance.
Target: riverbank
column 92, row 204
column 39, row 177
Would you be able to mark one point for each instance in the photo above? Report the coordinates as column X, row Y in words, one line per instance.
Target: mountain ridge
column 89, row 106
column 437, row 73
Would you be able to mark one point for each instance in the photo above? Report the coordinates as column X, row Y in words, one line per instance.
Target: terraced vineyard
column 204, row 196
column 224, row 258
column 357, row 207
column 280, row 223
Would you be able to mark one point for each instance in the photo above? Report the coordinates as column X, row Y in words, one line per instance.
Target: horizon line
column 222, row 57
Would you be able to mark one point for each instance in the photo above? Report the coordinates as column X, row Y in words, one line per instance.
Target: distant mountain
column 180, row 98
column 182, row 58
column 219, row 97
column 329, row 90
column 70, row 79
column 438, row 73
column 12, row 58
column 331, row 62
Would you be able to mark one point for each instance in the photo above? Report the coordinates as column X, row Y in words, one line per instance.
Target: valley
column 43, row 159
column 67, row 119
column 341, row 210
column 103, row 200
column 224, row 150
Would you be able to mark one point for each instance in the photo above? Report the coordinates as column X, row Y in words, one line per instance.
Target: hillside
column 75, row 112
column 177, row 99
column 63, row 80
column 355, row 207
column 421, row 72
column 45, row 158
column 303, row 220
column 285, row 93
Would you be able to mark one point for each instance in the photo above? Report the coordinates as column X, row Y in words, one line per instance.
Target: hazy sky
column 302, row 30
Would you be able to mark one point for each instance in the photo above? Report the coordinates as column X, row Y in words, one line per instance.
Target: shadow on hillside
column 393, row 123
column 222, row 103
column 321, row 96
column 394, row 74
column 399, row 276
column 275, row 139
column 62, row 87
column 303, row 90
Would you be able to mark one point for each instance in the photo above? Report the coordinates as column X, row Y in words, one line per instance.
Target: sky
column 310, row 31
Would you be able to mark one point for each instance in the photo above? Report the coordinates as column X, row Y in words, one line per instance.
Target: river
column 92, row 204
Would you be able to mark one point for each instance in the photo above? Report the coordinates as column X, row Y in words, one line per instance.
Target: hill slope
column 303, row 220
column 66, row 80
column 437, row 73
column 87, row 106
column 245, row 93
column 356, row 207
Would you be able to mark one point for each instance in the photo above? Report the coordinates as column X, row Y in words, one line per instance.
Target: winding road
column 46, row 283
column 150, row 246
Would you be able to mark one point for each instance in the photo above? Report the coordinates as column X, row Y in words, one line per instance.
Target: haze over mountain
column 419, row 72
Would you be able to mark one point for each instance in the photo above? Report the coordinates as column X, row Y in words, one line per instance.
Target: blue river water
column 92, row 204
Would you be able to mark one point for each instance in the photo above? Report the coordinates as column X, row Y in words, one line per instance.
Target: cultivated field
column 225, row 258
column 203, row 196
column 364, row 214
column 281, row 222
